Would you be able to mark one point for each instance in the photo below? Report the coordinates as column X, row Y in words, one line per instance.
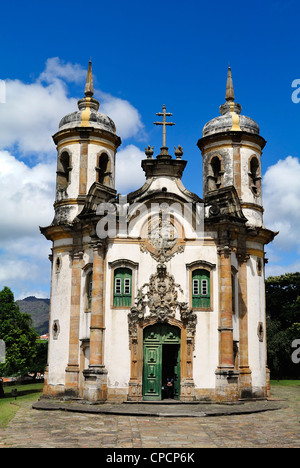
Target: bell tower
column 86, row 150
column 86, row 144
column 231, row 147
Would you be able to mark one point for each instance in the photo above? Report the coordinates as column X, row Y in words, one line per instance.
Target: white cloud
column 31, row 115
column 281, row 202
column 57, row 68
column 28, row 119
column 126, row 117
column 27, row 196
column 25, row 274
column 32, row 111
column 278, row 270
column 129, row 174
column 282, row 213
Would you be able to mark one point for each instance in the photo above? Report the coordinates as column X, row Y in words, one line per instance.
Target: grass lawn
column 285, row 383
column 9, row 405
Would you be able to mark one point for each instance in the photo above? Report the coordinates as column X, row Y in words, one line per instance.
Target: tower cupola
column 231, row 147
column 231, row 118
column 86, row 150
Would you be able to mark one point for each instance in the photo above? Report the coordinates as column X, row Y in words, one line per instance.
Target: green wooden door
column 161, row 357
column 152, row 372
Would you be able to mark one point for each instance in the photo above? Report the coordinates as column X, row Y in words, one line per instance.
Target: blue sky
column 144, row 55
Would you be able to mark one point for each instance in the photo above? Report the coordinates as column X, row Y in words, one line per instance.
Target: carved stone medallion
column 162, row 238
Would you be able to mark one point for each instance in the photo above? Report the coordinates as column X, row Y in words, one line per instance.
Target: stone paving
column 279, row 428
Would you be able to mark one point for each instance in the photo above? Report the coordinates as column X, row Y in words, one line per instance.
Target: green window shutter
column 122, row 287
column 201, row 289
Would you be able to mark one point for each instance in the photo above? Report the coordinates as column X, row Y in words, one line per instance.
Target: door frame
column 153, row 351
column 187, row 341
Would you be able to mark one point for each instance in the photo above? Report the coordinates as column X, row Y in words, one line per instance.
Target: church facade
column 158, row 284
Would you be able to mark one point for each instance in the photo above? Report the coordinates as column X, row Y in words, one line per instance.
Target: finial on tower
column 89, row 86
column 229, row 87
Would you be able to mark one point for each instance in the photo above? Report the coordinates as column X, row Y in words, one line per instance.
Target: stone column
column 236, row 148
column 226, row 377
column 84, row 147
column 135, row 391
column 96, row 374
column 245, row 380
column 72, row 370
column 189, row 320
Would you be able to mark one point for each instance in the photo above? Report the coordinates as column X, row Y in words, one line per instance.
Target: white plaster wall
column 116, row 345
column 207, row 336
column 60, row 310
column 256, row 314
column 206, row 349
column 117, row 352
column 254, row 217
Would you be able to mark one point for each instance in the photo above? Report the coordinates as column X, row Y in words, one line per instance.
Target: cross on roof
column 164, row 123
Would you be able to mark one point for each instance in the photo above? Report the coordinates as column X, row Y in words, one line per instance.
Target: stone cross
column 164, row 123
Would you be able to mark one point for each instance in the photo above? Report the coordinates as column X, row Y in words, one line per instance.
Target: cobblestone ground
column 46, row 429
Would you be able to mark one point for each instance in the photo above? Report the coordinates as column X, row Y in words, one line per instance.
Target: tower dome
column 231, row 118
column 87, row 114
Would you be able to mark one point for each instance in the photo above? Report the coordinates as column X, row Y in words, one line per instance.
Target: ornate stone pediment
column 160, row 298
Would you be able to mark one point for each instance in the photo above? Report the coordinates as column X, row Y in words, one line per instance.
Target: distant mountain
column 38, row 309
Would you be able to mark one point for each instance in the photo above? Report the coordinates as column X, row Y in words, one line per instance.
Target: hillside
column 38, row 309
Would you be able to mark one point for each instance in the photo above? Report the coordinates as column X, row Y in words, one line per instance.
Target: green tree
column 18, row 334
column 283, row 323
column 40, row 358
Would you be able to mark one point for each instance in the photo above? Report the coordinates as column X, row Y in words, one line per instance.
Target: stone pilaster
column 187, row 389
column 83, row 167
column 135, row 391
column 226, row 376
column 72, row 370
column 95, row 388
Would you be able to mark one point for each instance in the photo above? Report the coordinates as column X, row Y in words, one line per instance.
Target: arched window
column 254, row 176
column 122, row 287
column 215, row 176
column 201, row 289
column 102, row 168
column 63, row 171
